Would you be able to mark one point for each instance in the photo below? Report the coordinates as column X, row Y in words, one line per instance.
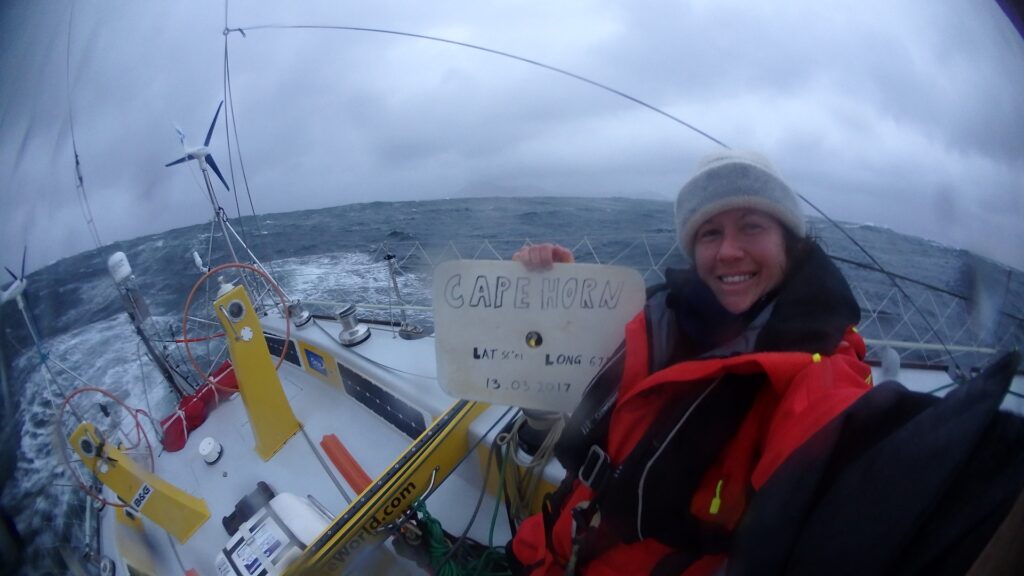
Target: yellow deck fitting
column 130, row 519
column 168, row 506
column 270, row 415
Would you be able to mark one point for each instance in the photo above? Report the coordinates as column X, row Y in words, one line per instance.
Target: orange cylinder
column 343, row 460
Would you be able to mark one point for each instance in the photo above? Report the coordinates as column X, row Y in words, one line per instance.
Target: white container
column 272, row 539
column 210, row 450
column 119, row 267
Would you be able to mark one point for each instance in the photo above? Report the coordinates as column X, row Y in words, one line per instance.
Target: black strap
column 656, row 481
column 588, row 424
column 590, row 538
column 684, row 448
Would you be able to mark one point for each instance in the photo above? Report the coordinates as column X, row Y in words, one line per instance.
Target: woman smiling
column 740, row 254
column 737, row 429
column 732, row 365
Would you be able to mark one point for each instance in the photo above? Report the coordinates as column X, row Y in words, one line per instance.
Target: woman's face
column 741, row 255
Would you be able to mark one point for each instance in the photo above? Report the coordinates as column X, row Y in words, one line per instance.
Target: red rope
column 188, row 304
column 197, row 339
column 140, row 431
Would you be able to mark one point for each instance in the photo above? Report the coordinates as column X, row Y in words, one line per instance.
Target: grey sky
column 904, row 114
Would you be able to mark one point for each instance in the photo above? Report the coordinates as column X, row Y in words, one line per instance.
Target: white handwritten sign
column 530, row 339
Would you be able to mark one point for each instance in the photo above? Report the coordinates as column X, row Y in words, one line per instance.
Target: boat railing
column 934, row 328
column 925, row 324
column 71, row 543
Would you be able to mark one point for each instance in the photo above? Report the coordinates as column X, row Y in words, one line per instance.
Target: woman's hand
column 543, row 256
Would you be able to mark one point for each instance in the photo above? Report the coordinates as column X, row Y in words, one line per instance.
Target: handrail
column 371, row 306
column 925, row 346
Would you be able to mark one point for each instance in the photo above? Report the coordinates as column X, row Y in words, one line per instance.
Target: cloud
column 904, row 114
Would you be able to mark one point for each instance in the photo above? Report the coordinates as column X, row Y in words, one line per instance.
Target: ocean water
column 337, row 255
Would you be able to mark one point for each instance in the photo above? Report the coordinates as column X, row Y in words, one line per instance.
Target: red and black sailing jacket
column 662, row 462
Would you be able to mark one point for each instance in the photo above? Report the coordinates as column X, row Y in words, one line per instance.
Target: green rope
column 471, row 558
column 500, row 493
column 436, row 542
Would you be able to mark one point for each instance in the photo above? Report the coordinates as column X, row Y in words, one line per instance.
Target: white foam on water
column 348, row 277
column 105, row 355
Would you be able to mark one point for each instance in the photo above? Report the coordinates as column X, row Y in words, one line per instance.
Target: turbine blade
column 178, row 161
column 181, row 134
column 209, row 134
column 209, row 160
column 11, row 273
column 24, row 253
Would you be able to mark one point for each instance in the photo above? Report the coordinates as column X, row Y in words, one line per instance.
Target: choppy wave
column 337, row 255
column 42, row 495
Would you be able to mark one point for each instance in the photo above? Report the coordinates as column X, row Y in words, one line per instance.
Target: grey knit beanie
column 730, row 179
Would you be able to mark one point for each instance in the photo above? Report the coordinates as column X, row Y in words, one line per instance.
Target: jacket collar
column 809, row 312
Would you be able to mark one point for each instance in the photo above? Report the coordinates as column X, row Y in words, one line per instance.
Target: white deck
column 322, row 409
column 929, row 381
column 405, row 369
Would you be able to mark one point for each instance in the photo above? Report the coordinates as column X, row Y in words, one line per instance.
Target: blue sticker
column 316, row 362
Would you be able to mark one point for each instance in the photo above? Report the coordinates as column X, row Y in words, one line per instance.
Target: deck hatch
column 386, row 405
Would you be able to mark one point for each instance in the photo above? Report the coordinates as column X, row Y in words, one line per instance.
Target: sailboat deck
column 299, row 466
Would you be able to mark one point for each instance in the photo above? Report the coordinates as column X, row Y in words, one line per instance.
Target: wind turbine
column 202, row 153
column 203, row 156
column 13, row 292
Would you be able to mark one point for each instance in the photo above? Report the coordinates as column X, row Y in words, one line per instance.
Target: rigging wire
column 888, row 275
column 87, row 210
column 141, row 437
column 209, row 245
column 193, row 171
column 242, row 30
column 227, row 138
column 605, row 87
column 142, row 377
column 229, row 97
column 927, row 285
column 83, row 198
column 44, row 360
